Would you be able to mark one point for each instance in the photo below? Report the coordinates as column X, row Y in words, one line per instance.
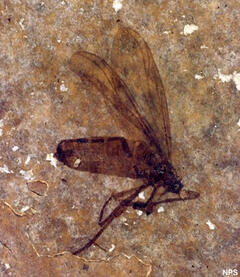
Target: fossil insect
column 132, row 85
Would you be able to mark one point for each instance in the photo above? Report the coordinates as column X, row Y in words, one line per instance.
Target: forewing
column 133, row 61
column 109, row 155
column 95, row 70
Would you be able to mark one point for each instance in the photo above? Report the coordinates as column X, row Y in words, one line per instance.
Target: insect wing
column 92, row 68
column 109, row 155
column 133, row 61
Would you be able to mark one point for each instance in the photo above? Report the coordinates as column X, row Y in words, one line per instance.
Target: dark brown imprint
column 138, row 96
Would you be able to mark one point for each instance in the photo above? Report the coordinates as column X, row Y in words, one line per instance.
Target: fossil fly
column 132, row 85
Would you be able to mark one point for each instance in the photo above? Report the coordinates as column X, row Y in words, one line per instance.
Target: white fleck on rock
column 117, row 5
column 15, row 148
column 166, row 32
column 139, row 213
column 224, row 77
column 1, row 125
column 160, row 210
column 238, row 123
column 28, row 159
column 141, row 195
column 235, row 77
column 69, row 220
column 203, row 46
column 21, row 23
column 7, row 266
column 53, row 161
column 24, row 209
column 112, row 248
column 63, row 88
column 189, row 29
column 78, row 39
column 210, row 225
column 58, row 40
column 28, row 175
column 124, row 220
column 5, row 169
column 198, row 77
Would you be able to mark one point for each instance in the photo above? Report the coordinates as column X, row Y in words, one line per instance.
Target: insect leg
column 136, row 205
column 91, row 241
column 183, row 196
column 123, row 205
column 102, row 210
column 114, row 196
column 147, row 206
column 115, row 213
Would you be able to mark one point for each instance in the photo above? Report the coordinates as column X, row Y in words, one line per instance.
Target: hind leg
column 114, row 196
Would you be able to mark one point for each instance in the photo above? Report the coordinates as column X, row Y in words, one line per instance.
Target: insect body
column 117, row 156
column 138, row 96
